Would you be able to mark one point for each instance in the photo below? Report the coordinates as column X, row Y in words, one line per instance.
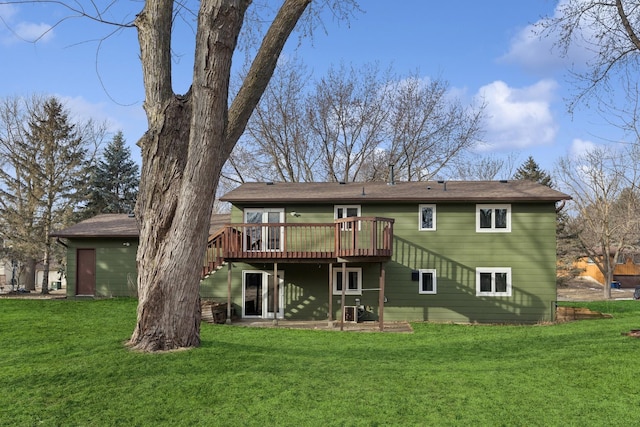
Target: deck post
column 344, row 289
column 330, row 317
column 381, row 297
column 228, row 321
column 275, row 293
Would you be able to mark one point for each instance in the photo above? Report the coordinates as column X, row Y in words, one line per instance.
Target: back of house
column 476, row 251
column 457, row 251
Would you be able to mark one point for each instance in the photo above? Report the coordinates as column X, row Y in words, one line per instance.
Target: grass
column 63, row 363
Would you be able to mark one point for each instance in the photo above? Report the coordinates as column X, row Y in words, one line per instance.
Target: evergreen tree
column 48, row 162
column 114, row 182
column 531, row 171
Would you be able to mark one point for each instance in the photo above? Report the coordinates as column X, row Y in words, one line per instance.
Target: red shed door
column 86, row 277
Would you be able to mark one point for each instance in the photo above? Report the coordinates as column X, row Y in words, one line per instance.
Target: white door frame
column 263, row 233
column 266, row 280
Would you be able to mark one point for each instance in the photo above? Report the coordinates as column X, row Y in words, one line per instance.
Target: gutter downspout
column 60, row 242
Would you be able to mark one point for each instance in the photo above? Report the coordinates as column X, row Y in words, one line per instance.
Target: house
column 457, row 251
column 626, row 270
column 13, row 274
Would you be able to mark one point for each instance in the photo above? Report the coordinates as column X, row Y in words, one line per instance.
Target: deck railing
column 344, row 238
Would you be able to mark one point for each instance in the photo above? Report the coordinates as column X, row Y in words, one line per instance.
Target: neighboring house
column 473, row 251
column 11, row 271
column 5, row 283
column 626, row 270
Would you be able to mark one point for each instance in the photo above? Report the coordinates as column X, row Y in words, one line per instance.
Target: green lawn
column 63, row 363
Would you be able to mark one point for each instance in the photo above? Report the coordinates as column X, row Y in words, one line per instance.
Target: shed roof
column 119, row 225
column 425, row 191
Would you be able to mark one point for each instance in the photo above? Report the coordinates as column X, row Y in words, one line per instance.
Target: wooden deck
column 356, row 238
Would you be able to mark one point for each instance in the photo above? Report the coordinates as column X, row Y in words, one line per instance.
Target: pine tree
column 48, row 161
column 531, row 171
column 114, row 182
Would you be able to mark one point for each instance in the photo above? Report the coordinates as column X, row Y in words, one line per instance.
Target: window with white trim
column 346, row 211
column 353, row 281
column 427, row 218
column 493, row 218
column 427, row 281
column 493, row 281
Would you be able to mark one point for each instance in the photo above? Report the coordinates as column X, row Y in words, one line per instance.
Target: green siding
column 455, row 250
column 306, row 288
column 115, row 266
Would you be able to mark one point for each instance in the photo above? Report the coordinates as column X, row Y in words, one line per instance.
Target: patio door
column 264, row 237
column 257, row 294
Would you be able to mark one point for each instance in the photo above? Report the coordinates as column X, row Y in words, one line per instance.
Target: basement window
column 427, row 281
column 353, row 280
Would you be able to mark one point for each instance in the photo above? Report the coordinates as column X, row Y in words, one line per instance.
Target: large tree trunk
column 172, row 238
column 28, row 276
column 189, row 139
column 182, row 156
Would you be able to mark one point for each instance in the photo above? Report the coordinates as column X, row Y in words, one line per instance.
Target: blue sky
column 484, row 49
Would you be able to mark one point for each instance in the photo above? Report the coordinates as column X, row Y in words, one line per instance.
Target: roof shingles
column 431, row 191
column 119, row 225
column 124, row 226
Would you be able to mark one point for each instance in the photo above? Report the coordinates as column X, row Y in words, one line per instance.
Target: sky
column 486, row 50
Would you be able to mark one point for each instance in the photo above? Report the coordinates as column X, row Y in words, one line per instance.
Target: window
column 346, row 211
column 354, row 281
column 493, row 218
column 622, row 259
column 493, row 282
column 427, row 282
column 427, row 218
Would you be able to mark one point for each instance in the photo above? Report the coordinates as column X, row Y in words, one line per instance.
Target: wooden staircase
column 214, row 254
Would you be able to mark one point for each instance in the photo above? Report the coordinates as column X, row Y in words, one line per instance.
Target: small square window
column 427, row 282
column 427, row 218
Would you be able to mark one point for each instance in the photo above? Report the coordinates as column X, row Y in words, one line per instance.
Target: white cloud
column 14, row 30
column 579, row 147
column 81, row 110
column 537, row 49
column 518, row 118
column 31, row 32
column 534, row 52
column 7, row 11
